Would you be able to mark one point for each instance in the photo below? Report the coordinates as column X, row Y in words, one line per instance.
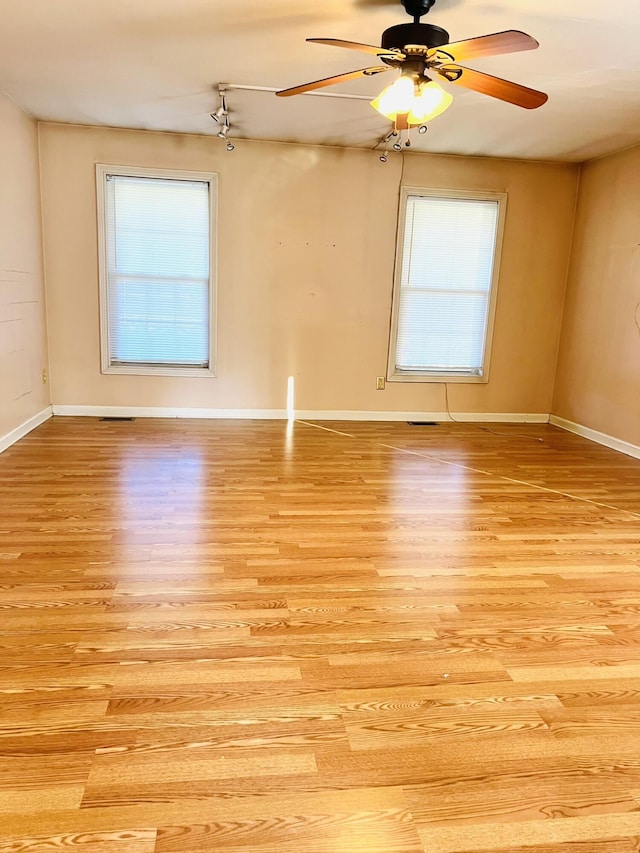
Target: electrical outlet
column 379, row 383
column 44, row 376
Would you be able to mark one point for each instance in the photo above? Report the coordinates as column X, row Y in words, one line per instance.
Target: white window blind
column 157, row 254
column 445, row 285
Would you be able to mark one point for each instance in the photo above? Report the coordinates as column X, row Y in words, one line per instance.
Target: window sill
column 439, row 378
column 140, row 370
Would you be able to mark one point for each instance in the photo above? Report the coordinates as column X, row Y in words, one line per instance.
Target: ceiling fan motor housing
column 396, row 38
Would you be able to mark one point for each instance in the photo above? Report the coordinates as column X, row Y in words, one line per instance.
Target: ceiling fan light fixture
column 419, row 100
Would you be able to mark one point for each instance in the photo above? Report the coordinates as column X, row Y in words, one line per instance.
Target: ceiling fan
column 422, row 52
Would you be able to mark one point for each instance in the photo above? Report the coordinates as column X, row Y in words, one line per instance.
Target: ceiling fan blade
column 510, row 41
column 495, row 87
column 356, row 45
column 331, row 81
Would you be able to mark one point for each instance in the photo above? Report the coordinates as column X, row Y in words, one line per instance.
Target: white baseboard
column 439, row 417
column 167, row 412
column 24, row 428
column 598, row 437
column 307, row 414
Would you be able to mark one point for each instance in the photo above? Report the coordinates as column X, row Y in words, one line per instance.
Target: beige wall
column 23, row 342
column 598, row 379
column 306, row 248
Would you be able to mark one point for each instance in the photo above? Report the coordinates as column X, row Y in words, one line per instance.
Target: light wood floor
column 233, row 636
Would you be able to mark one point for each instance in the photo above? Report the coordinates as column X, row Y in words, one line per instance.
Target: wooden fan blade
column 356, row 45
column 495, row 87
column 510, row 41
column 331, row 81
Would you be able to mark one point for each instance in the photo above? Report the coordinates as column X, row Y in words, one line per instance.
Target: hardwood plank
column 127, row 841
column 47, row 799
column 602, row 845
column 379, row 832
column 505, row 837
column 514, row 791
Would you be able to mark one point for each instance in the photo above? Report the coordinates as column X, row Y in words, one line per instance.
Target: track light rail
column 271, row 89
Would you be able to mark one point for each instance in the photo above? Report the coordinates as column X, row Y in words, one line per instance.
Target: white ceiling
column 155, row 64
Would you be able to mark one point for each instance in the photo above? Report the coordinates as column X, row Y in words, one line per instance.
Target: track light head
column 423, row 128
column 383, row 158
column 230, row 146
column 397, row 146
column 219, row 115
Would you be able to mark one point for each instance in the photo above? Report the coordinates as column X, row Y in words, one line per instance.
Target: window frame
column 211, row 178
column 395, row 375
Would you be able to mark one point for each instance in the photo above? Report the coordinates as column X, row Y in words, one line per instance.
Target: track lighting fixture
column 221, row 117
column 423, row 128
column 386, row 142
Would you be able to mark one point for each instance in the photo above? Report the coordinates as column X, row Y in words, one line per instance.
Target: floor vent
column 422, row 423
column 117, row 419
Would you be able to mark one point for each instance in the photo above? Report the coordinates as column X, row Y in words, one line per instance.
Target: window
column 156, row 283
column 446, row 281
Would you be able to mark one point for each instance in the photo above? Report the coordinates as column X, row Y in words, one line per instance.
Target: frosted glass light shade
column 431, row 101
column 419, row 101
column 396, row 98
